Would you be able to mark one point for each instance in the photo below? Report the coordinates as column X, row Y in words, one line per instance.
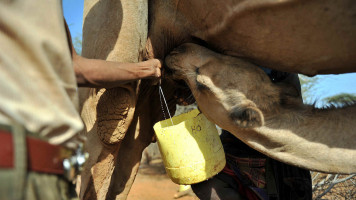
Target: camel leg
column 115, row 31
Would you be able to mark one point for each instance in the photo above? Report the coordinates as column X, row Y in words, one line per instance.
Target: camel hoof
column 250, row 117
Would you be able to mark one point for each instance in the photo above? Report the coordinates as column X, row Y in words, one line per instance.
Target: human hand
column 152, row 68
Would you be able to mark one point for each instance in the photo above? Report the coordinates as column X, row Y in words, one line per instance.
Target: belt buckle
column 73, row 165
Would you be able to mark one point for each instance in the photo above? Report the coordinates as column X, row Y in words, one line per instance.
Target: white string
column 164, row 113
column 161, row 93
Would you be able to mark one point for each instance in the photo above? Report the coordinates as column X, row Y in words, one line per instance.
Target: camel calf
column 269, row 117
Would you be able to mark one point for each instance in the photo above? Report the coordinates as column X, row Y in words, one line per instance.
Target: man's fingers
column 157, row 66
column 159, row 63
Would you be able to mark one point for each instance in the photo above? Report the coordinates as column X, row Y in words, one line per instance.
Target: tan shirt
column 37, row 82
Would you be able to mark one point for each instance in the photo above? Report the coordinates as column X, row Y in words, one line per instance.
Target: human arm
column 108, row 74
column 100, row 73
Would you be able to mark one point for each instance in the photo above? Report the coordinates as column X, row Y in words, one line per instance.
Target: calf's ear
column 247, row 116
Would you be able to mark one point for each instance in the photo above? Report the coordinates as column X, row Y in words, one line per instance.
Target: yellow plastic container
column 191, row 148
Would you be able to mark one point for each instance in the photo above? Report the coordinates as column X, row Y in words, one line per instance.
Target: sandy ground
column 152, row 183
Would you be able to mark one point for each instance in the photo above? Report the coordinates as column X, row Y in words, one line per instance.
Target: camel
column 307, row 37
column 240, row 97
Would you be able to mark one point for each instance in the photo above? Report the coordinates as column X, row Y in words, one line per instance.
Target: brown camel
column 291, row 35
column 239, row 97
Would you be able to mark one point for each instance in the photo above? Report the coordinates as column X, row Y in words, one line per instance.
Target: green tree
column 77, row 43
column 76, row 40
column 340, row 99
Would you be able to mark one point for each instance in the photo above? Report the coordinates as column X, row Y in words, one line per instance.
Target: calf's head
column 227, row 89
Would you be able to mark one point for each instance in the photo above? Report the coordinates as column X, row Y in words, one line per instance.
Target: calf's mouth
column 182, row 94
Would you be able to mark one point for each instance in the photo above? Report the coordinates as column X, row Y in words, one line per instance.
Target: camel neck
column 321, row 140
column 327, row 126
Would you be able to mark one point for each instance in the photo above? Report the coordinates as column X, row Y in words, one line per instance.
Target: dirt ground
column 152, row 183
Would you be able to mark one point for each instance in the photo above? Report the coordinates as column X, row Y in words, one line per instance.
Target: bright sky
column 73, row 13
column 328, row 85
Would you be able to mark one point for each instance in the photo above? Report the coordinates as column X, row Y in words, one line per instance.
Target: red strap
column 42, row 156
column 6, row 150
